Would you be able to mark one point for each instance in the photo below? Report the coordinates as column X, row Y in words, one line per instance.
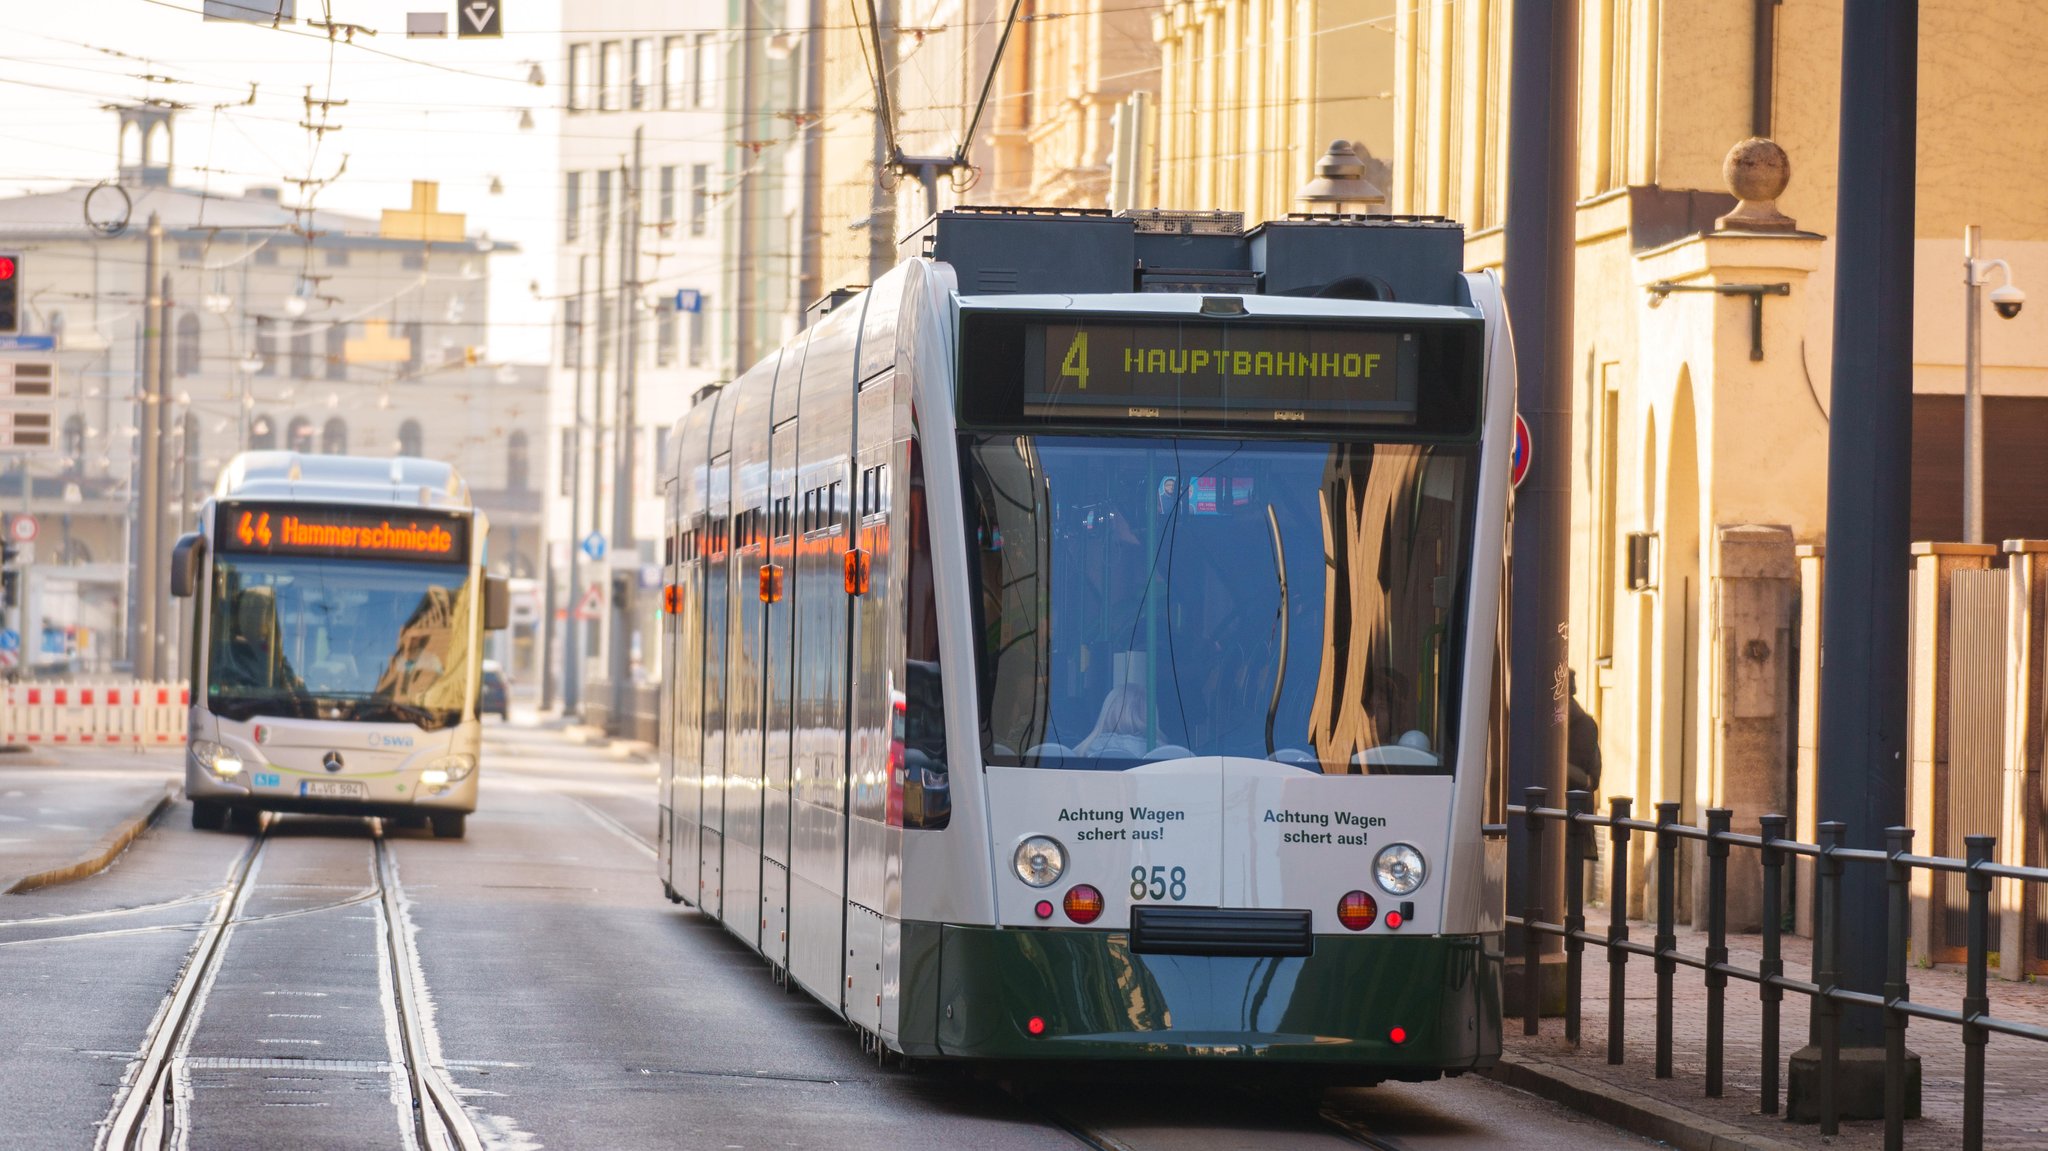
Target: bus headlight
column 1399, row 868
column 452, row 768
column 216, row 758
column 1040, row 860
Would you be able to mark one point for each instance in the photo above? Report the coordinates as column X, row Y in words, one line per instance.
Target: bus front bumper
column 269, row 787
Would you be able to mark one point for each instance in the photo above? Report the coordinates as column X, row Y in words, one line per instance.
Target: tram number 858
column 1160, row 883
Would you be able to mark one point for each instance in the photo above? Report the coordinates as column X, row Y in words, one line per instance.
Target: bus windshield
column 341, row 639
column 1150, row 599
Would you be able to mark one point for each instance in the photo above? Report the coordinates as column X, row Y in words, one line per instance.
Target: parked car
column 497, row 698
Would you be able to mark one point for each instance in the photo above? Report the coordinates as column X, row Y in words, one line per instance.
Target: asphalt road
column 569, row 1004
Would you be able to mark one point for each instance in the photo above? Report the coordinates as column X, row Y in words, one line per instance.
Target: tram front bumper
column 1413, row 1005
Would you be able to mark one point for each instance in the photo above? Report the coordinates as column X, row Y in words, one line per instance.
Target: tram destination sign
column 341, row 532
column 1233, row 370
column 1243, row 373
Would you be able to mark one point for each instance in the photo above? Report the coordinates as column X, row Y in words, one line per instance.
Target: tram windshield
column 349, row 640
column 1149, row 599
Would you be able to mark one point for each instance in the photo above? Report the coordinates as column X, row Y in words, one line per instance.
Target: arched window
column 516, row 470
column 74, row 442
column 334, row 437
column 299, row 435
column 262, row 434
column 409, row 439
column 186, row 354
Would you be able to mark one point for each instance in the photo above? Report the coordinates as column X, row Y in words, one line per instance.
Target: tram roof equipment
column 401, row 481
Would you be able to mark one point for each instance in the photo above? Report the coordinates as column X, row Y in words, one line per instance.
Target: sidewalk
column 67, row 814
column 2016, row 1107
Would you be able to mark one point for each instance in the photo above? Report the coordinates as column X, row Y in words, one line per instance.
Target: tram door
column 778, row 658
column 717, row 616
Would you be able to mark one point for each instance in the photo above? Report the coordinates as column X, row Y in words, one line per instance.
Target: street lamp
column 2007, row 300
column 1340, row 182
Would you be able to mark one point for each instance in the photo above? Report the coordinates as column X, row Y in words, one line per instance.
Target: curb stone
column 96, row 859
column 1629, row 1110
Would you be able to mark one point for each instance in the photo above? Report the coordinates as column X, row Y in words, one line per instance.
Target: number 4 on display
column 1075, row 366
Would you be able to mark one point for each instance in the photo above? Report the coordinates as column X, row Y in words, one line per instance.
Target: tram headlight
column 452, row 768
column 1039, row 860
column 1399, row 869
column 216, row 758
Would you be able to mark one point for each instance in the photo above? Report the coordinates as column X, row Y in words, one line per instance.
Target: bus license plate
column 333, row 789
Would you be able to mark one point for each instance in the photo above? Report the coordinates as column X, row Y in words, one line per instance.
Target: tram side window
column 921, row 717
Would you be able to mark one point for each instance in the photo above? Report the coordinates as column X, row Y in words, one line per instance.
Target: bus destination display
column 341, row 533
column 1234, row 371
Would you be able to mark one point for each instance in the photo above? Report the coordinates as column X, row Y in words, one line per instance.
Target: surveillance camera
column 2008, row 300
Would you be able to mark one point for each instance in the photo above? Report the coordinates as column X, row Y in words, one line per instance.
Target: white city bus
column 337, row 628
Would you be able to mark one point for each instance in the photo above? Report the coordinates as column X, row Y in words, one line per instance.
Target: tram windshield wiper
column 1280, row 669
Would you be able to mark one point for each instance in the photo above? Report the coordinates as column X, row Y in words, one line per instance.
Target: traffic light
column 10, row 294
column 10, row 576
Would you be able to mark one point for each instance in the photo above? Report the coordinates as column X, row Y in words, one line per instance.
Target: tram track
column 1101, row 1127
column 148, row 1113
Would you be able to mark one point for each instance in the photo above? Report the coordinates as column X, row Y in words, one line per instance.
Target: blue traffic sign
column 10, row 640
column 593, row 546
column 40, row 343
column 689, row 300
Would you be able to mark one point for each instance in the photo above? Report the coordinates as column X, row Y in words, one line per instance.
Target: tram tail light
column 1357, row 910
column 1035, row 1025
column 1043, row 909
column 1083, row 903
column 892, row 803
column 1399, row 1035
column 1394, row 920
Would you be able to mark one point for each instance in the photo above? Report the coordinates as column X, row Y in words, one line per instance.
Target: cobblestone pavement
column 2016, row 1106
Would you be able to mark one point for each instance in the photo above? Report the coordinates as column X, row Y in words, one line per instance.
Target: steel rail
column 139, row 1119
column 438, row 1116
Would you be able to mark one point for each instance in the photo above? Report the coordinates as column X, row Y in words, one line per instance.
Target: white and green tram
column 339, row 605
column 1083, row 646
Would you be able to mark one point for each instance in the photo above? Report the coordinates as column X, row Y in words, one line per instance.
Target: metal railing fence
column 1825, row 991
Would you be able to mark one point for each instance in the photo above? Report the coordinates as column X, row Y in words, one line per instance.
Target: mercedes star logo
column 331, row 761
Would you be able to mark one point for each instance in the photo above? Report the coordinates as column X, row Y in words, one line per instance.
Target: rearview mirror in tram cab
column 185, row 559
column 497, row 604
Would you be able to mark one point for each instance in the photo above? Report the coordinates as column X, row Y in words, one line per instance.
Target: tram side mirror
column 497, row 604
column 185, row 557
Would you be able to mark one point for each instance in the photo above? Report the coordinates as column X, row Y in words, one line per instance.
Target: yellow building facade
column 1699, row 443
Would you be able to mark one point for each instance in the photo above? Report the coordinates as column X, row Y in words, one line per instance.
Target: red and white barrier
column 94, row 714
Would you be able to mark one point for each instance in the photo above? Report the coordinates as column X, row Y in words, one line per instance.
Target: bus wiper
column 1279, row 672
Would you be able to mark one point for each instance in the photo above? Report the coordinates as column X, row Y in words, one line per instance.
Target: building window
column 697, row 332
column 700, row 197
column 643, row 74
column 337, row 351
column 665, row 337
column 74, row 442
column 266, row 255
column 579, row 77
column 416, row 346
column 666, row 204
column 604, row 205
column 516, row 473
column 262, row 434
column 413, row 261
column 409, row 439
column 299, row 435
column 566, row 484
column 302, row 350
column 700, row 70
column 572, row 207
column 611, row 75
column 674, row 71
column 186, row 355
column 334, row 437
column 572, row 332
column 189, row 253
column 266, row 346
column 337, row 257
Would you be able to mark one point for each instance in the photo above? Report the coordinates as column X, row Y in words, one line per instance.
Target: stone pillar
column 2020, row 841
column 1806, row 800
column 1927, row 732
column 1750, row 633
